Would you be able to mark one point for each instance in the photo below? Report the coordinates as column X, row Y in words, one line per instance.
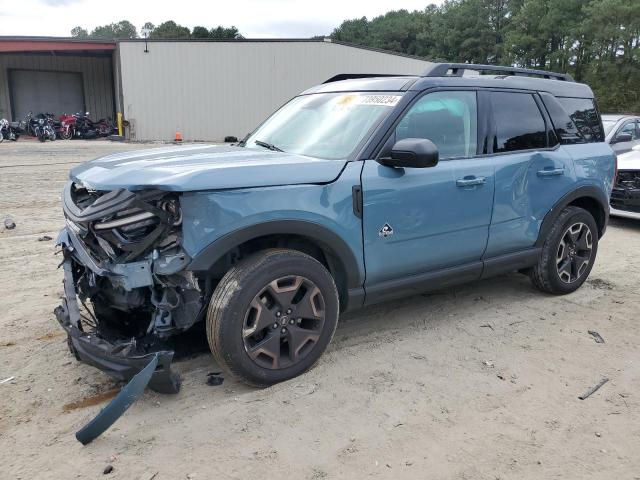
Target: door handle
column 551, row 172
column 470, row 181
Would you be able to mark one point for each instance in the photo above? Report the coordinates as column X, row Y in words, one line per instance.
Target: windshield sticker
column 384, row 100
column 351, row 100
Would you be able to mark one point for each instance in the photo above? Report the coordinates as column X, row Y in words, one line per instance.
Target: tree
column 222, row 32
column 113, row 31
column 170, row 30
column 200, row 32
column 79, row 32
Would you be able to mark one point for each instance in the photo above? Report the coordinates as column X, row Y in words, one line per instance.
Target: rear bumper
column 119, row 359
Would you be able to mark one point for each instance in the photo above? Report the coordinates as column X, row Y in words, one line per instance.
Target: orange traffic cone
column 178, row 137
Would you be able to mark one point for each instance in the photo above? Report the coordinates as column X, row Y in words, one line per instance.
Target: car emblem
column 385, row 231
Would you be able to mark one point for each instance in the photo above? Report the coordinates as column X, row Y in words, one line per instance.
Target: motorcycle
column 84, row 126
column 67, row 126
column 9, row 130
column 44, row 128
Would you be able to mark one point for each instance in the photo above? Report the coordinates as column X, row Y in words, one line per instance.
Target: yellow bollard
column 119, row 124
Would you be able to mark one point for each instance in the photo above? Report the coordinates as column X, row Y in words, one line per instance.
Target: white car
column 625, row 197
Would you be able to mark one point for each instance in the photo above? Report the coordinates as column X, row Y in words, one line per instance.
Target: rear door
column 532, row 171
column 419, row 220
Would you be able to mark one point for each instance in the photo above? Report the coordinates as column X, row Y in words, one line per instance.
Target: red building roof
column 48, row 44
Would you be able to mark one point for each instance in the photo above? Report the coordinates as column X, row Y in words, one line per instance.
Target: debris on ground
column 593, row 389
column 486, row 325
column 488, row 363
column 596, row 336
column 107, row 470
column 214, row 379
column 9, row 224
column 45, row 238
column 6, row 380
column 114, row 410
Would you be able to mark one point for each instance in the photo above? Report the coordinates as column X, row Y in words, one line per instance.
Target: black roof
column 560, row 85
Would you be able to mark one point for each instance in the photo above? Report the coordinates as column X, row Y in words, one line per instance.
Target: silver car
column 622, row 132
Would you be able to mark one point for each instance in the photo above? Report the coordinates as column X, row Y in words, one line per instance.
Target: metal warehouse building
column 205, row 89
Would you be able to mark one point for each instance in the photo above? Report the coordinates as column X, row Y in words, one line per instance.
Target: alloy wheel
column 284, row 321
column 574, row 252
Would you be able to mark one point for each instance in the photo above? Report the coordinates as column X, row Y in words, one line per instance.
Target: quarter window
column 519, row 123
column 585, row 116
column 448, row 119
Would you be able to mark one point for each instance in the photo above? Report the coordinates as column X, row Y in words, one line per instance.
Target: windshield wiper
column 269, row 146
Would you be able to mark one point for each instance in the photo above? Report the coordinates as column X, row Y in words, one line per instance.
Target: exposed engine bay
column 124, row 257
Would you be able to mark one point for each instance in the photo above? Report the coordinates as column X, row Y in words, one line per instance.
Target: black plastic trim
column 208, row 256
column 585, row 191
column 510, row 262
column 424, row 282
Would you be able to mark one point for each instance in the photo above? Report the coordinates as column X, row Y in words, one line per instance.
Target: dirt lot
column 476, row 382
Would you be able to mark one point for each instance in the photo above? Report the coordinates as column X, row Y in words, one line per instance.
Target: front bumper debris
column 122, row 359
column 112, row 412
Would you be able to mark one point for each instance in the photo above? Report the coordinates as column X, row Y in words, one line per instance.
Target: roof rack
column 457, row 70
column 349, row 76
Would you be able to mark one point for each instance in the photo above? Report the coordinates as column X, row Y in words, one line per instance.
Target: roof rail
column 457, row 70
column 349, row 76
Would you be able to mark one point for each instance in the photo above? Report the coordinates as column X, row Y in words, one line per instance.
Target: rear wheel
column 568, row 254
column 272, row 316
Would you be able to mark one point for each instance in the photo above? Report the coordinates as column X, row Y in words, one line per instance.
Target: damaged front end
column 126, row 288
column 625, row 196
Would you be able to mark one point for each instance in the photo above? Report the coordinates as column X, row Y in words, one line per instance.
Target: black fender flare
column 586, row 191
column 326, row 239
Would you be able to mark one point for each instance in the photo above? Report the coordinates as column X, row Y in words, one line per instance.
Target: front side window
column 449, row 119
column 323, row 125
column 629, row 128
column 519, row 123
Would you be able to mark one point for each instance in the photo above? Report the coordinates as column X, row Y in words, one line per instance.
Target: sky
column 254, row 18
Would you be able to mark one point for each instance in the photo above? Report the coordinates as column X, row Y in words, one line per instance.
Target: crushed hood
column 203, row 167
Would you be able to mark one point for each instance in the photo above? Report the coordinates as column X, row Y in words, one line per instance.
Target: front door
column 416, row 220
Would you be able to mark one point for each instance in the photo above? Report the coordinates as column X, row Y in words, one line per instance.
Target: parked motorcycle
column 67, row 126
column 9, row 130
column 43, row 128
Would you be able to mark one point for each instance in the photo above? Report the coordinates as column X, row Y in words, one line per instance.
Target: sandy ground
column 475, row 382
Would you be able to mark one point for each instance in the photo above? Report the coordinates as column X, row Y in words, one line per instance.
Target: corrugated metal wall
column 208, row 90
column 96, row 73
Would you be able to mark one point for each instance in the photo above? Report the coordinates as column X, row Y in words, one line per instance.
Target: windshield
column 325, row 125
column 608, row 125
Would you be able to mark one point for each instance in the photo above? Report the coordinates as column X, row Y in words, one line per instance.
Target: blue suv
column 357, row 191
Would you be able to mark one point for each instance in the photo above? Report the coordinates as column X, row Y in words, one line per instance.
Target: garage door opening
column 45, row 92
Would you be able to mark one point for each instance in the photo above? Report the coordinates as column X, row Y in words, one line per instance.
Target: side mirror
column 412, row 153
column 623, row 137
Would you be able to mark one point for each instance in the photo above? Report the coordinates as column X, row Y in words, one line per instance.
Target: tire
column 1, row 137
column 572, row 239
column 41, row 136
column 249, row 315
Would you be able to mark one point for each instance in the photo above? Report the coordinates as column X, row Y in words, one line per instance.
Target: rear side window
column 584, row 114
column 518, row 121
column 565, row 129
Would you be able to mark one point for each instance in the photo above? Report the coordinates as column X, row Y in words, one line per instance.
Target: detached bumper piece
column 112, row 412
column 121, row 360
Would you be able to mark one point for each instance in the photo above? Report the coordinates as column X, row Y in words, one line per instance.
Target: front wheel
column 41, row 136
column 272, row 316
column 568, row 253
